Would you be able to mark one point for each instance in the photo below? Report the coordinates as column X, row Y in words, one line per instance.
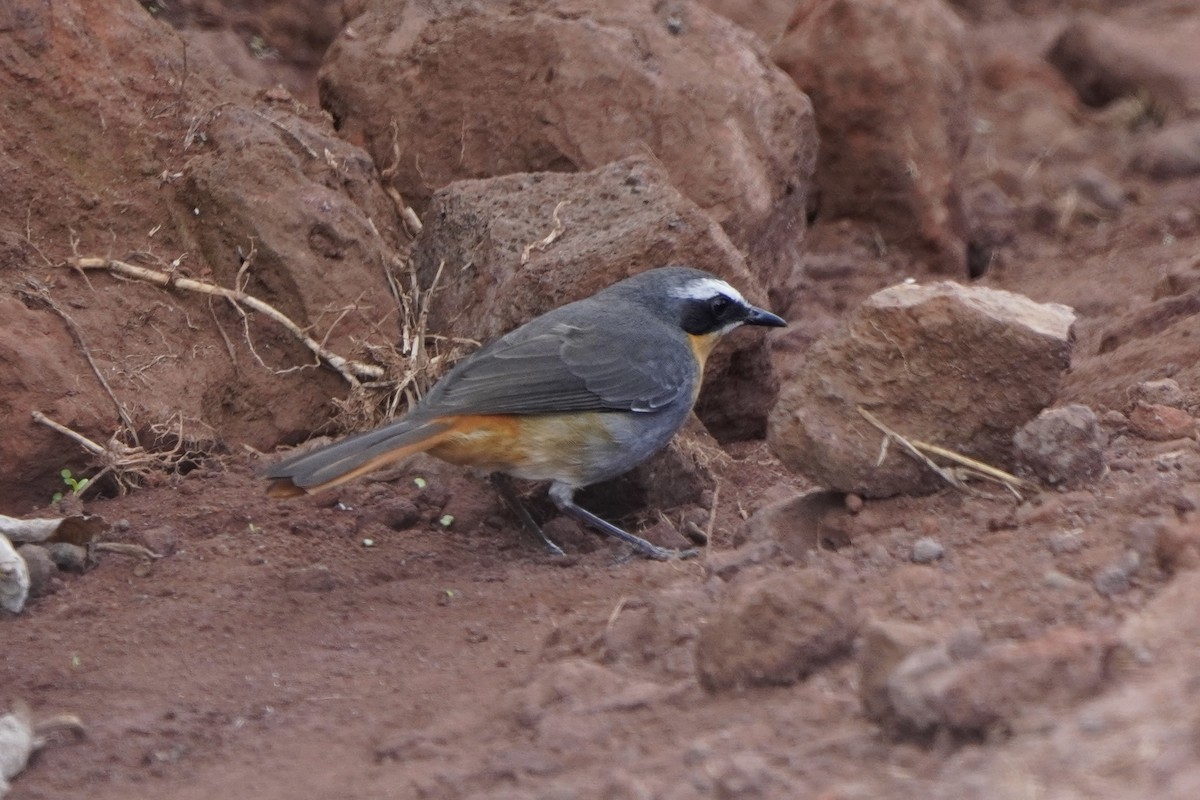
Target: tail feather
column 334, row 464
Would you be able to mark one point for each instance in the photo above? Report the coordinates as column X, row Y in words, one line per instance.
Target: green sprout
column 76, row 485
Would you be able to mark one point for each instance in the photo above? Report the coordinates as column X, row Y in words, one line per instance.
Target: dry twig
column 354, row 372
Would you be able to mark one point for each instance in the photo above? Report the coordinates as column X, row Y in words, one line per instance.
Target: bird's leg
column 564, row 497
column 508, row 494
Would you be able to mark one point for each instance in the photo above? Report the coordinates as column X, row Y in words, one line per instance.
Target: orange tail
column 356, row 455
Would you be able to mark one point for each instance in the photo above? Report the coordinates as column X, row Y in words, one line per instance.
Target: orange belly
column 536, row 446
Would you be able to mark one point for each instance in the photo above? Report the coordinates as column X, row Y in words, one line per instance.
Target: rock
column 776, row 631
column 68, row 557
column 942, row 363
column 1160, row 423
column 1061, row 447
column 931, row 690
column 42, row 569
column 472, row 90
column 926, row 551
column 1163, row 392
column 616, row 221
column 890, row 84
column 812, row 520
column 884, row 644
column 1107, row 59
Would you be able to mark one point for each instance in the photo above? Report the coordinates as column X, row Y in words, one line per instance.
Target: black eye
column 719, row 305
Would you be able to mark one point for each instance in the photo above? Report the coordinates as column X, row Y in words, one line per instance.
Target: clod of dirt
column 458, row 90
column 960, row 367
column 613, row 222
column 932, row 689
column 1160, row 423
column 874, row 68
column 1061, row 446
column 776, row 631
column 14, row 578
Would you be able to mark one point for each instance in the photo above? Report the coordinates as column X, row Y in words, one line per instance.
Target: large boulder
column 890, row 83
column 444, row 91
column 960, row 367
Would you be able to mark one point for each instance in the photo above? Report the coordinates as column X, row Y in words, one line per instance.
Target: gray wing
column 550, row 365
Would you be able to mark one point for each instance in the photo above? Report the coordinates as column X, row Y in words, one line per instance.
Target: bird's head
column 700, row 303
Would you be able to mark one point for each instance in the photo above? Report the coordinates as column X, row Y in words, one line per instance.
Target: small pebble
column 1065, row 542
column 1057, row 580
column 1110, row 580
column 854, row 503
column 926, row 550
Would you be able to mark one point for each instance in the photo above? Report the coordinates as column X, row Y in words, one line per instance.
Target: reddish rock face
column 890, row 83
column 469, row 90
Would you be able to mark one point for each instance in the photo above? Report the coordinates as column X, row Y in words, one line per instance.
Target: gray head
column 699, row 302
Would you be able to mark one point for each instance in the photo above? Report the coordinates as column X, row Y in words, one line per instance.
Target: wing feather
column 554, row 364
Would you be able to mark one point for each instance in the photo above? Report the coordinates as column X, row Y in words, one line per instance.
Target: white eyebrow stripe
column 704, row 288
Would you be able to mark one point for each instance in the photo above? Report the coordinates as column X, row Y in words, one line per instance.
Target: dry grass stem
column 967, row 467
column 550, row 238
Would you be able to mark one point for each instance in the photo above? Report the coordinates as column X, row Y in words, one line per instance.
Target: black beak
column 757, row 316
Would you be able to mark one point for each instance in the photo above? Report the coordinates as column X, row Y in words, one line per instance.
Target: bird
column 576, row 396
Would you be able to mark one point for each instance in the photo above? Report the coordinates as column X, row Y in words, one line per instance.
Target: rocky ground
column 403, row 180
